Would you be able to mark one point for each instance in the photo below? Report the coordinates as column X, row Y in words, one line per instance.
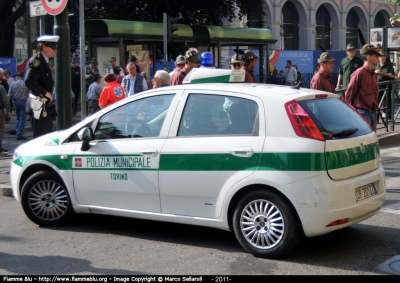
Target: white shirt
column 45, row 58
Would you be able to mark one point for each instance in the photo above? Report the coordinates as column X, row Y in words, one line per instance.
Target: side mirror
column 85, row 135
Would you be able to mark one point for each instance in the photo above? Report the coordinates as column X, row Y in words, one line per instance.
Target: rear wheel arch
column 250, row 188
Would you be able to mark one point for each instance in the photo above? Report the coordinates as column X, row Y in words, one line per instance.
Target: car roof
column 260, row 90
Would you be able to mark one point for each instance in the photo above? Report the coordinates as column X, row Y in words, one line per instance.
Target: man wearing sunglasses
column 235, row 62
column 39, row 81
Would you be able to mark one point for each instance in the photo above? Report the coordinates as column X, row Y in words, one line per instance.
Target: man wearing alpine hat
column 192, row 61
column 362, row 92
column 236, row 64
column 348, row 66
column 115, row 70
column 91, row 70
column 249, row 61
column 179, row 65
column 323, row 79
column 379, row 48
column 39, row 81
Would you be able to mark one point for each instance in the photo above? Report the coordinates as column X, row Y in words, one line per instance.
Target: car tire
column 265, row 224
column 45, row 199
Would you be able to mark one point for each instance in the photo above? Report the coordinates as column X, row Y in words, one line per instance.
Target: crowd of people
column 33, row 93
column 360, row 78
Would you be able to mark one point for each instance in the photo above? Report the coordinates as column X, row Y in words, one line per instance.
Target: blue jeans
column 20, row 108
column 290, row 83
column 370, row 116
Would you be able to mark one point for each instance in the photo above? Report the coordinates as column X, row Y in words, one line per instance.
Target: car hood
column 52, row 139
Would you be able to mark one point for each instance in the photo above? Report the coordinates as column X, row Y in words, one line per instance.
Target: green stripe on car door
column 229, row 162
column 208, row 162
column 281, row 161
column 351, row 156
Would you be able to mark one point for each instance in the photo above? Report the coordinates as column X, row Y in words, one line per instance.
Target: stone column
column 338, row 37
column 275, row 27
column 307, row 36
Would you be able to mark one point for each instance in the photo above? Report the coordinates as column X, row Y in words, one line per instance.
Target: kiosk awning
column 234, row 36
column 148, row 31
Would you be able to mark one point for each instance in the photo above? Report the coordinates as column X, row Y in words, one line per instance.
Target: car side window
column 137, row 119
column 207, row 114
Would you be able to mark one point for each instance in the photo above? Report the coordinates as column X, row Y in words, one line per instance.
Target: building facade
column 332, row 24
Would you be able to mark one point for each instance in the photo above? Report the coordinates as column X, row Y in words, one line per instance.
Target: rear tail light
column 302, row 123
column 319, row 96
column 355, row 110
column 337, row 222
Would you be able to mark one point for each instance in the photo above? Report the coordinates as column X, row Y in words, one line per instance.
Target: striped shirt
column 94, row 92
column 18, row 91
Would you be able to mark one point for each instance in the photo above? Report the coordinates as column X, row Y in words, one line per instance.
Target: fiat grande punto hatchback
column 269, row 163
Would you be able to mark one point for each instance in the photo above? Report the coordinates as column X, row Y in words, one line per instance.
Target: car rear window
column 335, row 119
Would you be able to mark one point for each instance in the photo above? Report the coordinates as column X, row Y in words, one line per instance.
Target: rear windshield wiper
column 347, row 132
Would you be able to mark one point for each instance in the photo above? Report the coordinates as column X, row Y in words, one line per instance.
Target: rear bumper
column 321, row 200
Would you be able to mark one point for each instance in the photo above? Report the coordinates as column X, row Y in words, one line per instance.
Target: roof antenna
column 296, row 86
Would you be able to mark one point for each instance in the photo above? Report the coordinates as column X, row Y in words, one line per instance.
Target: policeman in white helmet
column 39, row 81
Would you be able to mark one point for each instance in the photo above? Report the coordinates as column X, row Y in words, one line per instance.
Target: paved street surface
column 96, row 244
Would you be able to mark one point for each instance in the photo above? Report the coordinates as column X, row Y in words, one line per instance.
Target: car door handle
column 149, row 152
column 245, row 151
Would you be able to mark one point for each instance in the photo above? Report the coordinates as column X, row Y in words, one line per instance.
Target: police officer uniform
column 39, row 81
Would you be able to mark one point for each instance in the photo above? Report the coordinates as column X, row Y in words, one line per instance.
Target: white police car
column 268, row 162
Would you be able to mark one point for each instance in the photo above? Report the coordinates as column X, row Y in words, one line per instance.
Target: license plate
column 365, row 192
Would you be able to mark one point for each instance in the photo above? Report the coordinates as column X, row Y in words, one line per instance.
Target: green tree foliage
column 191, row 12
column 10, row 12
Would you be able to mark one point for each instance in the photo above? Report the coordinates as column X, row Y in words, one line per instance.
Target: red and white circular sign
column 54, row 7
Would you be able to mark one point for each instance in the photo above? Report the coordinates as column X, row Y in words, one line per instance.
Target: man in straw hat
column 323, row 79
column 362, row 92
